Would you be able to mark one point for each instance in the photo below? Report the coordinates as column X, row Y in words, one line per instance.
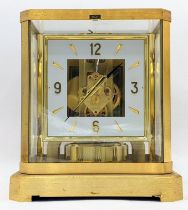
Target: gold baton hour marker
column 134, row 110
column 134, row 65
column 55, row 111
column 57, row 65
column 73, row 126
column 118, row 48
column 73, row 48
column 118, row 126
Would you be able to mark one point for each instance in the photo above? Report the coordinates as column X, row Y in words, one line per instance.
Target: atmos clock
column 96, row 105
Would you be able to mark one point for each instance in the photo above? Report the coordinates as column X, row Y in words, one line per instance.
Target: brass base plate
column 168, row 186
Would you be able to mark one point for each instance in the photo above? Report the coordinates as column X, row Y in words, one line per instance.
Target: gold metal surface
column 57, row 65
column 96, row 152
column 96, row 168
column 134, row 65
column 73, row 49
column 166, row 92
column 138, row 151
column 53, row 151
column 134, row 110
column 95, row 36
column 55, row 111
column 118, row 48
column 98, row 100
column 40, row 94
column 167, row 187
column 151, row 92
column 118, row 126
column 84, row 14
column 25, row 100
column 73, row 93
column 91, row 93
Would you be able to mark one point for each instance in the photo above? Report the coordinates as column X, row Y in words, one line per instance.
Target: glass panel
column 90, row 92
column 95, row 26
column 34, row 94
column 158, row 96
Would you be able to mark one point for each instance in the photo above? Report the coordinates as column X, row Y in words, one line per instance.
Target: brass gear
column 116, row 96
column 102, row 113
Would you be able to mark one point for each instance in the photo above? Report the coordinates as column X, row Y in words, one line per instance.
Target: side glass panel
column 158, row 95
column 34, row 94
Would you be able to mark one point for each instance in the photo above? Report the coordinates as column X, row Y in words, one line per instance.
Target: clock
column 95, row 105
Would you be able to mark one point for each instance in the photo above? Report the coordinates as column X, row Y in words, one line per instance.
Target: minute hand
column 90, row 92
column 93, row 88
column 111, row 72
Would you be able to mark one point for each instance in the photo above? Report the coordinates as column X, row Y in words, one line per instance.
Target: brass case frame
column 149, row 179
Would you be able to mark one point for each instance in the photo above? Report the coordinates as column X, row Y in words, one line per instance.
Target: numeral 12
column 95, row 48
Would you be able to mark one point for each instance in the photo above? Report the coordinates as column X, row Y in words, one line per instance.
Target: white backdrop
column 10, row 96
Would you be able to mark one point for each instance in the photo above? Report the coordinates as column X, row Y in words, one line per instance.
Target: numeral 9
column 57, row 87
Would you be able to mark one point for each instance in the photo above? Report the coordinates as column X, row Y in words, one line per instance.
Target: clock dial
column 95, row 88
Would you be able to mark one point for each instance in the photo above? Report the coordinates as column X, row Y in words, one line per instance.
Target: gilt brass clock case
column 96, row 105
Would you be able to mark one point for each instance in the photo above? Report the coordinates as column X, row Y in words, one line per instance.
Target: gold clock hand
column 97, row 86
column 90, row 91
column 93, row 89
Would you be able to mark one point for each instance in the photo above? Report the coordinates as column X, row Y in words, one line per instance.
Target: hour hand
column 91, row 91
